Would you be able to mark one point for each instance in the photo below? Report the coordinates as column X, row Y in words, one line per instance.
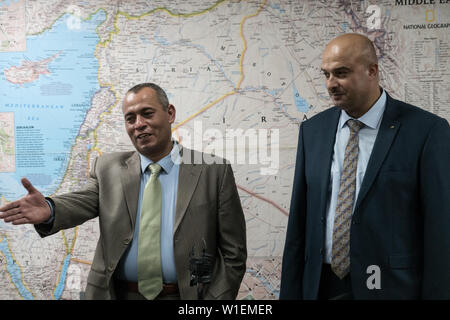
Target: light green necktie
column 149, row 245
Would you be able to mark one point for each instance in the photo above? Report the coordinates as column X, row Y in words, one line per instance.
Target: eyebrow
column 142, row 110
column 337, row 69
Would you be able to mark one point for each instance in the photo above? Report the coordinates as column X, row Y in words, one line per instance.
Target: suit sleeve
column 435, row 204
column 294, row 249
column 231, row 234
column 73, row 209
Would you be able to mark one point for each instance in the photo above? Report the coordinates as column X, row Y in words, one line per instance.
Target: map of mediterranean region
column 46, row 93
column 226, row 66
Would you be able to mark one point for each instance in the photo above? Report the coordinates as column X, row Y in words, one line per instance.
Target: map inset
column 252, row 66
column 12, row 25
column 7, row 149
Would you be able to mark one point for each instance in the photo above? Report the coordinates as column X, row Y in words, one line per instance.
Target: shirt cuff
column 52, row 209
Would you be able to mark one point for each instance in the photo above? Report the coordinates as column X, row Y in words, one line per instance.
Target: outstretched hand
column 32, row 208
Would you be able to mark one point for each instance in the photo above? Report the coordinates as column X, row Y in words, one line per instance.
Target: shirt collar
column 371, row 118
column 166, row 163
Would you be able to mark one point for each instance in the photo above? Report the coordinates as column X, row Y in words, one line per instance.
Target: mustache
column 335, row 91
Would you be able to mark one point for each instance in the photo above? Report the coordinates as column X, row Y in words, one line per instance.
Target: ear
column 172, row 112
column 373, row 70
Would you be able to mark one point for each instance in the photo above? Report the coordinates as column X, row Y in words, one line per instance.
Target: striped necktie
column 340, row 253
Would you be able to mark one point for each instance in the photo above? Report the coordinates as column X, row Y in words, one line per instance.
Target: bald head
column 350, row 65
column 353, row 45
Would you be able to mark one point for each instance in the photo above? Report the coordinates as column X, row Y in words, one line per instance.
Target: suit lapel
column 325, row 143
column 388, row 130
column 187, row 182
column 131, row 182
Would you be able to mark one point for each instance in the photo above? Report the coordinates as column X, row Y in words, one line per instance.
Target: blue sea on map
column 49, row 111
column 6, row 3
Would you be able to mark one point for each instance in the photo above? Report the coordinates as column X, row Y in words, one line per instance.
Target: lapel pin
column 392, row 127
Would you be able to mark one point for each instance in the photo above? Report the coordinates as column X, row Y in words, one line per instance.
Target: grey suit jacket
column 208, row 207
column 401, row 219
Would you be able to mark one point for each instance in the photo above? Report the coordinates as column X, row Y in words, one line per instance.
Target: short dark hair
column 160, row 93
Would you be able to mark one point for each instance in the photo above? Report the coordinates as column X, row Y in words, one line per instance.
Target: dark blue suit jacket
column 401, row 221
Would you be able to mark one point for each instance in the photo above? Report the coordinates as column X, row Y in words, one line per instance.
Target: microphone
column 201, row 269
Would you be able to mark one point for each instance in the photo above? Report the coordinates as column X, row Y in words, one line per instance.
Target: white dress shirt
column 367, row 136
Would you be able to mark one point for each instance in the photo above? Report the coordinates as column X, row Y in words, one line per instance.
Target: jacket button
column 111, row 268
column 321, row 251
column 126, row 241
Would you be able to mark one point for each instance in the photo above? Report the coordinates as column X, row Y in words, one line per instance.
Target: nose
column 331, row 82
column 139, row 124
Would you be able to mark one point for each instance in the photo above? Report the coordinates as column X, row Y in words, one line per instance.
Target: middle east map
column 242, row 76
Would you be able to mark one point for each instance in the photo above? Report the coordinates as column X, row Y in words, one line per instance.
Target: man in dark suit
column 370, row 208
column 197, row 205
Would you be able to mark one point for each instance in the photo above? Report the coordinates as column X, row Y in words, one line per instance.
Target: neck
column 374, row 95
column 155, row 157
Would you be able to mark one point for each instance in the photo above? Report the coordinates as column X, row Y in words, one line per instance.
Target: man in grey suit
column 199, row 208
column 370, row 208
